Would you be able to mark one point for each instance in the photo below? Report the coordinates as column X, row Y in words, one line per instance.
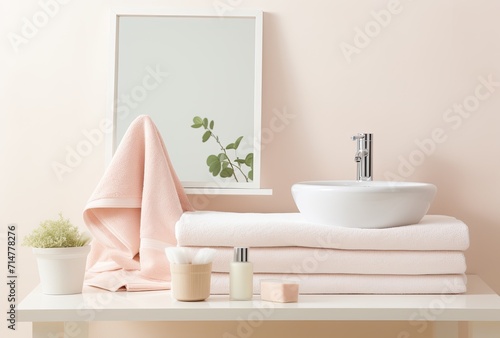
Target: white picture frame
column 152, row 76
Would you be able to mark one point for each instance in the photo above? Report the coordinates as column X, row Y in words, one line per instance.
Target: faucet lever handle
column 358, row 137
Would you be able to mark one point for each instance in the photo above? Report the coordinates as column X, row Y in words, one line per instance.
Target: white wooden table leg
column 484, row 329
column 48, row 330
column 76, row 330
column 445, row 330
column 60, row 330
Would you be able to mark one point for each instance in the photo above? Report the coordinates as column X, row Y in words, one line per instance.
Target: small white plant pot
column 61, row 270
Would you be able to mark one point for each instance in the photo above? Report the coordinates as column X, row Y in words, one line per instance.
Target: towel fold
column 228, row 229
column 299, row 260
column 123, row 280
column 133, row 211
column 356, row 284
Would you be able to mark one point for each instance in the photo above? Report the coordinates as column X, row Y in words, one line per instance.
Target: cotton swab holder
column 191, row 282
column 191, row 274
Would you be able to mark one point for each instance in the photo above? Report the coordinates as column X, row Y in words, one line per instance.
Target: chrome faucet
column 363, row 157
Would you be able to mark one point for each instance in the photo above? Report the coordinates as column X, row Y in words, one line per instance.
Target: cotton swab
column 204, row 256
column 183, row 255
column 178, row 255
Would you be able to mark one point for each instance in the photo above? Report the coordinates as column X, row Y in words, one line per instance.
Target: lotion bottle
column 241, row 276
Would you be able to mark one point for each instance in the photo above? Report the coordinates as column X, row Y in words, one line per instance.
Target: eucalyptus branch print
column 222, row 164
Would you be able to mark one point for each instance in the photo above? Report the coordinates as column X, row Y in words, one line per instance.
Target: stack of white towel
column 423, row 258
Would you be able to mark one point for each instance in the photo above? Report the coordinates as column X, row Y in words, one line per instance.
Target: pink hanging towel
column 132, row 214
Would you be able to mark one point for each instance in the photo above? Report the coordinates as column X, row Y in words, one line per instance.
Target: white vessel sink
column 370, row 204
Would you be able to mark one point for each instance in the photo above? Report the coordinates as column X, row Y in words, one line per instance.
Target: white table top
column 480, row 303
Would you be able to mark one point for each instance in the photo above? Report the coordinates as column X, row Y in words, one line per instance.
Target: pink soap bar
column 277, row 290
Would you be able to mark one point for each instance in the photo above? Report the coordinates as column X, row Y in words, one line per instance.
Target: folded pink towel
column 356, row 284
column 133, row 211
column 124, row 280
column 215, row 229
column 299, row 260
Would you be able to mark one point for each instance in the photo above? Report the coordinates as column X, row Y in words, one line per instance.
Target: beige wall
column 406, row 86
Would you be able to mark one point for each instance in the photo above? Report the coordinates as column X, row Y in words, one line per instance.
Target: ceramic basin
column 355, row 204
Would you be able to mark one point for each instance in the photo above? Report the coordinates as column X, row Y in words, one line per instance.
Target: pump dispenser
column 241, row 276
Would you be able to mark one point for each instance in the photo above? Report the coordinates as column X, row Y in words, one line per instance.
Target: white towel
column 216, row 229
column 299, row 260
column 356, row 284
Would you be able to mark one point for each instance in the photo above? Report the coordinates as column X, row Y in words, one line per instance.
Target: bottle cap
column 241, row 254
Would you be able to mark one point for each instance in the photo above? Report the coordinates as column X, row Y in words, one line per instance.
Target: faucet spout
column 363, row 156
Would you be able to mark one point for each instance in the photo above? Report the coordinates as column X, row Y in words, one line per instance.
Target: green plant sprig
column 221, row 164
column 56, row 234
